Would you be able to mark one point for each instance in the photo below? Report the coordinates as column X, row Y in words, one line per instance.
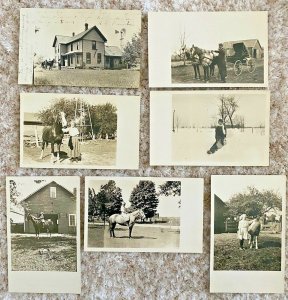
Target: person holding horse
column 73, row 142
column 221, row 62
column 242, row 232
column 220, row 135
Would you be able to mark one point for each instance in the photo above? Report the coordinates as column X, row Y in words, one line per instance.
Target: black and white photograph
column 80, row 47
column 223, row 128
column 208, row 49
column 143, row 214
column 43, row 233
column 79, row 131
column 248, row 217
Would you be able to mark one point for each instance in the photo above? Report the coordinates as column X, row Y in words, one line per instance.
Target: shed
column 220, row 208
column 113, row 57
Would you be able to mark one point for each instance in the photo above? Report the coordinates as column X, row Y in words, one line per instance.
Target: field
column 143, row 236
column 31, row 254
column 93, row 78
column 228, row 256
column 185, row 74
column 191, row 145
column 94, row 153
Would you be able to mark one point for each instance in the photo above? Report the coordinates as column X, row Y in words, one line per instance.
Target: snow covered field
column 246, row 148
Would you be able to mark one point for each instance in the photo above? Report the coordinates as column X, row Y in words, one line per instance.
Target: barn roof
column 113, row 51
column 219, row 201
column 248, row 43
column 32, row 119
column 43, row 186
column 69, row 39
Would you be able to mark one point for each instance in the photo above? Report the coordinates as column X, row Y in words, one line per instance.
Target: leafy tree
column 132, row 51
column 107, row 202
column 254, row 202
column 144, row 196
column 170, row 188
column 104, row 119
column 14, row 194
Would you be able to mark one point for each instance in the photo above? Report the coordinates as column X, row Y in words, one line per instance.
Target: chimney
column 86, row 26
column 73, row 33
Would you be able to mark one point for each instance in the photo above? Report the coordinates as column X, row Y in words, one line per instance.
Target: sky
column 202, row 110
column 167, row 207
column 33, row 103
column 53, row 22
column 227, row 186
column 207, row 31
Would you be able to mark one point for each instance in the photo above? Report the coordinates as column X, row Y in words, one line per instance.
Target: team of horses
column 47, row 64
column 208, row 59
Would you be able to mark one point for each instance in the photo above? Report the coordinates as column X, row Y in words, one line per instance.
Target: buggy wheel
column 238, row 67
column 251, row 65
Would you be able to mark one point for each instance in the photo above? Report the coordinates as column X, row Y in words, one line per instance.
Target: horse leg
column 42, row 150
column 256, row 242
column 195, row 71
column 251, row 241
column 198, row 70
column 130, row 231
column 52, row 152
column 112, row 227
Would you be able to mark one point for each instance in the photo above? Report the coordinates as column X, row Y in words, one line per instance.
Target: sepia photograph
column 143, row 214
column 222, row 128
column 218, row 49
column 43, row 233
column 80, row 47
column 79, row 131
column 248, row 231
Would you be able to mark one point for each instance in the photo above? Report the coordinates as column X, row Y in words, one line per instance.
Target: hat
column 221, row 45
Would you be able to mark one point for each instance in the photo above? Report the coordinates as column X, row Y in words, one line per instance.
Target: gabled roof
column 42, row 187
column 113, row 51
column 69, row 39
column 248, row 43
column 219, row 201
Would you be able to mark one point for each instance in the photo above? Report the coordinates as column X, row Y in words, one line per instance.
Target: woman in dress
column 243, row 226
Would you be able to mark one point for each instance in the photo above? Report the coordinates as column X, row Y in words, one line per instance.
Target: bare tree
column 227, row 107
column 183, row 47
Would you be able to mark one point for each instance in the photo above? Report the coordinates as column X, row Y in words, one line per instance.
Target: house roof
column 219, row 201
column 42, row 187
column 69, row 39
column 113, row 51
column 31, row 119
column 248, row 43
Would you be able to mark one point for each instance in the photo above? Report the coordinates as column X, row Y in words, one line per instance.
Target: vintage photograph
column 248, row 227
column 80, row 47
column 43, row 230
column 79, row 131
column 213, row 128
column 208, row 49
column 142, row 214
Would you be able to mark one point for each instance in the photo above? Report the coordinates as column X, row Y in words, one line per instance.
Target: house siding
column 63, row 205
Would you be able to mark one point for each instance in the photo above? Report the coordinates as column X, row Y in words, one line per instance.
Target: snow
column 246, row 148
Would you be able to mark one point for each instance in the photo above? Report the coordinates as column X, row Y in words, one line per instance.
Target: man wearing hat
column 222, row 63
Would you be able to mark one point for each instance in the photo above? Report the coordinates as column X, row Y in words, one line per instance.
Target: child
column 243, row 226
column 220, row 135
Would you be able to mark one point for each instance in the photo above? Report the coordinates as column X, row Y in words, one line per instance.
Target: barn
column 113, row 57
column 220, row 208
column 253, row 46
column 57, row 203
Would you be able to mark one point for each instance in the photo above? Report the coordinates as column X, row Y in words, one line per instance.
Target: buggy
column 241, row 58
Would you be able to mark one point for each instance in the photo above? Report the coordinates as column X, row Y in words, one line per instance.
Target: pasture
column 93, row 152
column 228, row 256
column 31, row 254
column 185, row 74
column 143, row 236
column 85, row 77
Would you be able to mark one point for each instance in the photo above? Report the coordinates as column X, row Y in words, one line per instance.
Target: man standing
column 222, row 63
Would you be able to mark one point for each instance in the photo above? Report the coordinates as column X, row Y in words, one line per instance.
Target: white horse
column 125, row 220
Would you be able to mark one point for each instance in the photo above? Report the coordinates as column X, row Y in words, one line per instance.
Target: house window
column 71, row 47
column 88, row 58
column 78, row 45
column 93, row 45
column 99, row 58
column 52, row 192
column 71, row 59
column 72, row 220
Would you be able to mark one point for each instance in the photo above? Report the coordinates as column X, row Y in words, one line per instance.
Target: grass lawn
column 185, row 74
column 228, row 256
column 30, row 254
column 142, row 237
column 85, row 77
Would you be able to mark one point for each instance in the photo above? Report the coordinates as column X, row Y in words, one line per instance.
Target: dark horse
column 48, row 64
column 53, row 135
column 125, row 220
column 195, row 61
column 39, row 224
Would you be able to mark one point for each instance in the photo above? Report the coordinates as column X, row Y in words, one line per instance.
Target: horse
column 125, row 220
column 48, row 63
column 195, row 61
column 39, row 224
column 254, row 230
column 207, row 59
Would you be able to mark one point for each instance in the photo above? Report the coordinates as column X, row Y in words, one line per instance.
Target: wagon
column 241, row 58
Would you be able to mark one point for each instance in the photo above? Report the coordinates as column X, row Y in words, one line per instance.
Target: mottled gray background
column 139, row 276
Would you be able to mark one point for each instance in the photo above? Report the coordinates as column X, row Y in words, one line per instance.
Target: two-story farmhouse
column 57, row 203
column 86, row 50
